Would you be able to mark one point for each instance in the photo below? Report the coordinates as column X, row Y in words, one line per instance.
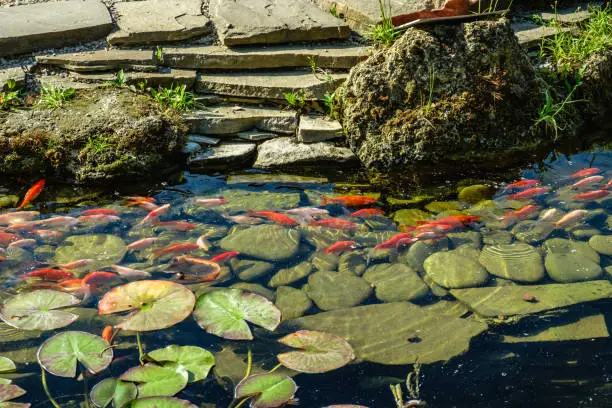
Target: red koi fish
column 527, row 194
column 23, row 243
column 274, row 217
column 334, row 223
column 98, row 219
column 349, row 201
column 18, row 217
column 224, row 257
column 210, row 202
column 156, row 213
column 591, row 195
column 450, row 8
column 107, row 334
column 436, row 227
column 398, row 240
column 176, row 249
column 521, row 214
column 76, row 264
column 129, row 273
column 6, row 238
column 142, row 244
column 71, row 284
column 100, row 211
column 367, row 213
column 32, row 193
column 456, row 221
column 585, row 173
column 433, row 234
column 587, row 182
column 181, row 226
column 522, row 184
column 99, row 278
column 48, row 274
column 341, row 246
column 58, row 222
column 27, row 226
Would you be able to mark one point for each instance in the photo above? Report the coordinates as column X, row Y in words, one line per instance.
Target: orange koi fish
column 156, row 213
column 433, row 234
column 98, row 219
column 203, row 243
column 367, row 213
column 6, row 238
column 18, row 217
column 456, row 221
column 23, row 243
column 224, row 257
column 608, row 185
column 142, row 244
column 100, row 211
column 437, row 227
column 587, row 182
column 522, row 184
column 49, row 274
column 32, row 193
column 71, row 284
column 99, row 278
column 397, row 241
column 341, row 246
column 107, row 334
column 130, row 273
column 181, row 226
column 585, row 173
column 334, row 223
column 532, row 192
column 58, row 222
column 76, row 264
column 521, row 214
column 274, row 217
column 176, row 249
column 570, row 218
column 349, row 201
column 45, row 234
column 591, row 195
column 27, row 226
column 210, row 202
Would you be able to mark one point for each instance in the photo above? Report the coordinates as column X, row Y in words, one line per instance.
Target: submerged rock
column 602, row 244
column 571, row 267
column 266, row 242
column 395, row 282
column 248, row 270
column 518, row 262
column 333, row 290
column 292, row 302
column 352, row 262
column 475, row 193
column 104, row 249
column 453, row 270
column 290, row 275
column 479, row 73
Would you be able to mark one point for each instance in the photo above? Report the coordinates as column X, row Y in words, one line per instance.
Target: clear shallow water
column 494, row 372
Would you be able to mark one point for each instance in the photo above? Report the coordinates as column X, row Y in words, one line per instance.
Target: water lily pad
column 156, row 381
column 104, row 249
column 225, row 313
column 154, row 304
column 38, row 310
column 320, row 352
column 196, row 360
column 112, row 390
column 268, row 390
column 161, row 402
column 6, row 365
column 9, row 392
column 59, row 354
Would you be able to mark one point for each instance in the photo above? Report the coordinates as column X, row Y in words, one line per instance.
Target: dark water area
column 561, row 357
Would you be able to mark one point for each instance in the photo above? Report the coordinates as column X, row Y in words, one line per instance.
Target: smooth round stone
column 240, row 200
column 532, row 232
column 441, row 206
column 320, row 237
column 290, row 275
column 565, row 246
column 518, row 262
column 436, row 290
column 420, row 251
column 333, row 290
column 292, row 303
column 609, row 222
column 410, row 216
column 601, row 244
column 104, row 249
column 7, row 201
column 379, row 223
column 396, row 282
column 373, row 238
column 325, row 262
column 255, row 288
column 352, row 262
column 497, row 237
column 44, row 252
column 266, row 242
column 471, row 238
column 608, row 271
column 475, row 193
column 584, row 232
column 571, row 267
column 248, row 270
column 468, row 251
column 452, row 270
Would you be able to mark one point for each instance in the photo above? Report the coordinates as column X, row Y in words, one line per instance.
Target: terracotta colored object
column 450, row 8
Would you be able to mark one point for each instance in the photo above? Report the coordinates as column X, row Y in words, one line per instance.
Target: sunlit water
column 493, row 372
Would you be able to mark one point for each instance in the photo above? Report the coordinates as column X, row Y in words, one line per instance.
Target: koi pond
column 265, row 290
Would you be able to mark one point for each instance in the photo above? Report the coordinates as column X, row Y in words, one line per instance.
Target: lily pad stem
column 249, row 364
column 242, row 402
column 141, row 353
column 276, row 367
column 46, row 388
column 86, row 390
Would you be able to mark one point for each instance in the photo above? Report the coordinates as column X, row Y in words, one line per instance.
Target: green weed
column 432, row 82
column 384, row 33
column 119, row 80
column 12, row 97
column 296, row 100
column 52, row 97
column 334, row 11
column 97, row 144
column 176, row 97
column 552, row 115
column 159, row 54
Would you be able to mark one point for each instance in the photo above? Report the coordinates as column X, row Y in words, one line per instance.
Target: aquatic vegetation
column 384, row 33
column 156, row 381
column 54, row 98
column 39, row 310
column 268, row 390
column 178, row 97
column 319, row 352
column 9, row 392
column 113, row 391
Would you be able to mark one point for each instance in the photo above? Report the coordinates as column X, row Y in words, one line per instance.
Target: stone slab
column 567, row 16
column 159, row 21
column 257, row 136
column 52, row 25
column 225, row 153
column 285, row 152
column 279, row 56
column 318, row 129
column 244, row 22
column 103, row 60
column 205, row 140
column 267, row 85
column 151, row 79
column 227, row 120
column 531, row 35
column 17, row 74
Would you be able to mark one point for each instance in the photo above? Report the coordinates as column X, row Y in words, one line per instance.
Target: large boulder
column 596, row 88
column 443, row 93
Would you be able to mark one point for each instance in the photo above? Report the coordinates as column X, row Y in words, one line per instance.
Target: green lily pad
column 38, row 310
column 59, row 354
column 6, row 365
column 156, row 381
column 161, row 402
column 155, row 304
column 196, row 360
column 112, row 390
column 320, row 352
column 9, row 392
column 225, row 313
column 268, row 390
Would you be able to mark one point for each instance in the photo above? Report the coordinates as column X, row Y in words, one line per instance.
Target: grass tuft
column 119, row 80
column 12, row 97
column 296, row 100
column 384, row 33
column 54, row 98
column 176, row 97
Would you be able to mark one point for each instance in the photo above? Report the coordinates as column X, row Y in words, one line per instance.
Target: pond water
column 537, row 330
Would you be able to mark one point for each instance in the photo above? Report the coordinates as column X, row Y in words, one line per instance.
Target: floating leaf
column 37, row 310
column 112, row 390
column 155, row 304
column 9, row 392
column 226, row 312
column 196, row 360
column 268, row 390
column 320, row 352
column 161, row 402
column 59, row 354
column 6, row 365
column 156, row 381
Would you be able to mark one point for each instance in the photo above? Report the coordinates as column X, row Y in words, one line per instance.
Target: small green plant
column 413, row 387
column 97, row 144
column 12, row 97
column 553, row 114
column 296, row 100
column 159, row 54
column 432, row 83
column 384, row 33
column 52, row 97
column 176, row 97
column 334, row 11
column 328, row 101
column 119, row 80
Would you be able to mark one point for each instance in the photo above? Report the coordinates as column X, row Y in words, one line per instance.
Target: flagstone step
column 159, row 21
column 231, row 120
column 279, row 56
column 225, row 153
column 103, row 60
column 173, row 77
column 314, row 129
column 244, row 22
column 531, row 35
column 52, row 25
column 268, row 85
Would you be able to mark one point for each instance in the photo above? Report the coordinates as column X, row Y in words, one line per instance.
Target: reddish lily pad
column 38, row 310
column 196, row 360
column 161, row 402
column 9, row 392
column 113, row 391
column 155, row 304
column 60, row 354
column 156, row 381
column 267, row 390
column 225, row 313
column 320, row 352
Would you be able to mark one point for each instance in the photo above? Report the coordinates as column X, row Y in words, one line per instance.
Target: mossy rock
column 396, row 282
column 265, row 242
column 471, row 238
column 249, row 270
column 292, row 303
column 325, row 262
column 518, row 262
column 8, row 201
column 497, row 237
column 410, row 216
column 420, row 251
column 475, row 194
column 565, row 246
column 243, row 200
column 255, row 288
column 104, row 249
column 291, row 275
column 453, row 270
column 441, row 206
column 601, row 244
column 320, row 237
column 354, row 262
column 571, row 267
column 333, row 290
